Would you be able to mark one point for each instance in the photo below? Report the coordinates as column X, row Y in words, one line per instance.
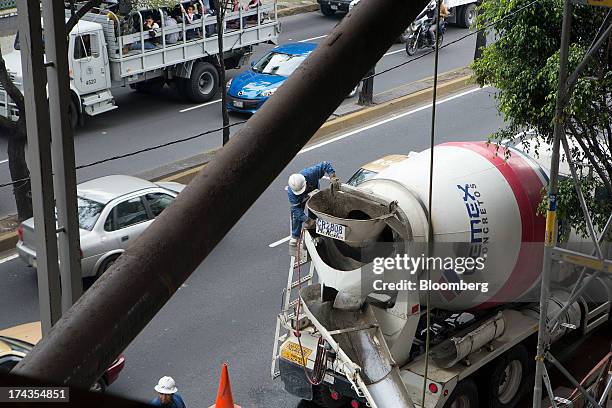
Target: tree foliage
column 523, row 64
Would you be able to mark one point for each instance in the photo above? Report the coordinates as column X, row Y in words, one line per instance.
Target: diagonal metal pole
column 602, row 35
column 39, row 136
column 119, row 305
column 572, row 380
column 579, row 286
column 585, row 209
column 551, row 215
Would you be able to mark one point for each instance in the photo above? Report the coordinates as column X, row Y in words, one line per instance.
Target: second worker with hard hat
column 300, row 185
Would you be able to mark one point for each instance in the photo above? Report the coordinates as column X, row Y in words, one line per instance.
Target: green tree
column 523, row 64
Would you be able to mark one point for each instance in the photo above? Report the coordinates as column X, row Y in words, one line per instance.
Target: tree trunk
column 19, row 170
column 220, row 10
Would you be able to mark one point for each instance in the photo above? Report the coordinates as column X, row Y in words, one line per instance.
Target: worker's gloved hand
column 308, row 224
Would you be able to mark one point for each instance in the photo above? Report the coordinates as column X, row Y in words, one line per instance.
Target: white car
column 113, row 211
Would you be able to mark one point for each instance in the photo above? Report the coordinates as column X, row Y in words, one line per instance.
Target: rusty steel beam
column 119, row 305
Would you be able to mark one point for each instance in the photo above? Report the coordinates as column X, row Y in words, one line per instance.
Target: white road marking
column 9, row 258
column 199, row 106
column 394, row 52
column 280, row 241
column 4, row 161
column 373, row 125
column 313, row 38
column 391, row 119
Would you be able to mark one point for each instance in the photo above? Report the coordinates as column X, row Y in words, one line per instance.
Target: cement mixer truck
column 372, row 295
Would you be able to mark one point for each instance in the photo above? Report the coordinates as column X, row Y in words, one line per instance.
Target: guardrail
column 7, row 4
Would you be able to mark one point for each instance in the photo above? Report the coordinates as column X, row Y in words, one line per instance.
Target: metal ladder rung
column 301, row 281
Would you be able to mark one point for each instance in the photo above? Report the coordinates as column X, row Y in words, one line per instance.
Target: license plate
column 239, row 104
column 333, row 7
column 329, row 229
column 291, row 351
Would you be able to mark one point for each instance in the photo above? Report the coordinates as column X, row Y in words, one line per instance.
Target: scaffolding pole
column 552, row 253
column 62, row 152
column 39, row 136
column 551, row 215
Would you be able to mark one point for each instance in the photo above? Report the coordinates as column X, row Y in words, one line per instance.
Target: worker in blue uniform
column 300, row 185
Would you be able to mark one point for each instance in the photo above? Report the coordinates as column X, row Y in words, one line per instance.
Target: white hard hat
column 297, row 183
column 166, row 385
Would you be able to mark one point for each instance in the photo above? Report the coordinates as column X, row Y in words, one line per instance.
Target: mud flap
column 294, row 380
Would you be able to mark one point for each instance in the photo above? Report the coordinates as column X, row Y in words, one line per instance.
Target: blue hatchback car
column 249, row 90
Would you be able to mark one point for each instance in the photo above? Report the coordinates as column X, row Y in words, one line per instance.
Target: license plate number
column 291, row 351
column 333, row 7
column 329, row 229
column 239, row 104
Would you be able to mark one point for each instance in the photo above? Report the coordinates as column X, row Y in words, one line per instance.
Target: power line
column 117, row 157
column 136, row 152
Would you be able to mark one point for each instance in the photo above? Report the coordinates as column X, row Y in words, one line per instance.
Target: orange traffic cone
column 224, row 395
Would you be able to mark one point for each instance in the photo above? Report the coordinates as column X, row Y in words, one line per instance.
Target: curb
column 9, row 240
column 290, row 11
column 363, row 115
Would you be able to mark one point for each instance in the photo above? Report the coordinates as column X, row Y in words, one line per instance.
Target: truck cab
column 88, row 59
column 90, row 80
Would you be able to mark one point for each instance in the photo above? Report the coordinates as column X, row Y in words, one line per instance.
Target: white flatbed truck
column 102, row 57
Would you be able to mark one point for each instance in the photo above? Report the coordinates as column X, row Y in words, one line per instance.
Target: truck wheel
column 327, row 11
column 465, row 395
column 203, row 84
column 508, row 378
column 322, row 396
column 468, row 16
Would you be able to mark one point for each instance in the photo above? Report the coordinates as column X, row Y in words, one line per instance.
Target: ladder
column 287, row 313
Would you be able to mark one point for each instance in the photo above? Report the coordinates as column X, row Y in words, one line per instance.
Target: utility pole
column 481, row 38
column 366, row 94
column 39, row 136
column 62, row 152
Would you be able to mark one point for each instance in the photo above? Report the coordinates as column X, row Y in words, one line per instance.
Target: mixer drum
column 484, row 211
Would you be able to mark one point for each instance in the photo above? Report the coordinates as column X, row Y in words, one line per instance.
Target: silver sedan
column 113, row 211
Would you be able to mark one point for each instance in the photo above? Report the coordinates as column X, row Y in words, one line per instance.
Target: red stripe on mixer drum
column 527, row 187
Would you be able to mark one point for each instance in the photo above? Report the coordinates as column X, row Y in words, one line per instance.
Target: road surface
column 226, row 310
column 142, row 121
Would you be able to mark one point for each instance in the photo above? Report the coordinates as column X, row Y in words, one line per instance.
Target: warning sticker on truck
column 291, row 351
